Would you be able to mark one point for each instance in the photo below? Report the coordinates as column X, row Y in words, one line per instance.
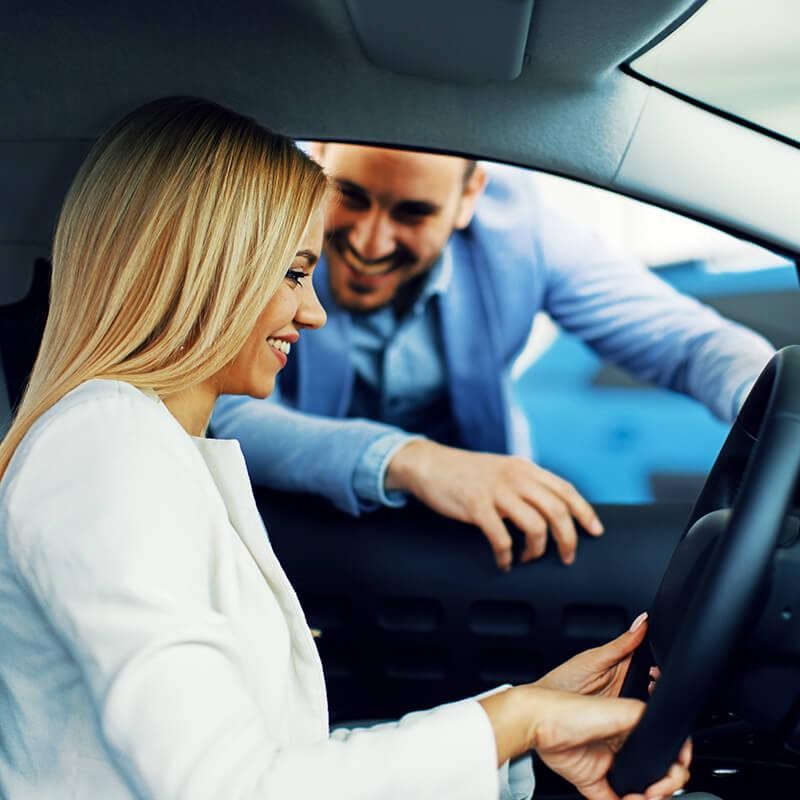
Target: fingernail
column 651, row 686
column 638, row 622
column 596, row 526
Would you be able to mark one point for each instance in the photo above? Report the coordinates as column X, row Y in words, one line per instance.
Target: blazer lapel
column 471, row 353
column 226, row 463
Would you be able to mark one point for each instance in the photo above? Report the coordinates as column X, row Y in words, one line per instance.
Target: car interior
column 408, row 607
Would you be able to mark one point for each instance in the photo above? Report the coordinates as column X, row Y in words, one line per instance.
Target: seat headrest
column 22, row 321
column 16, row 270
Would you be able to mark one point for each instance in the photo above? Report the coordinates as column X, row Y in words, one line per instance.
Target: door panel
column 413, row 611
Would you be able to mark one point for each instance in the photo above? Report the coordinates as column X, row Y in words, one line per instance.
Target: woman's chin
column 261, row 389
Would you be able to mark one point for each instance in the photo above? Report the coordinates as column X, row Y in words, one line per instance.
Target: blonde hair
column 176, row 231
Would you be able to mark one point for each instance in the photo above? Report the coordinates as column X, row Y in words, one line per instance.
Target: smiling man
column 433, row 270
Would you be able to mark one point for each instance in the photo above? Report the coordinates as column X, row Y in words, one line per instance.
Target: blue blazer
column 517, row 257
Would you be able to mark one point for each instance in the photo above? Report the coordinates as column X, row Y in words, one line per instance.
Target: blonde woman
column 150, row 644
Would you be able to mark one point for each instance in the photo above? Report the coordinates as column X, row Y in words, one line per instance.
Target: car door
column 411, row 610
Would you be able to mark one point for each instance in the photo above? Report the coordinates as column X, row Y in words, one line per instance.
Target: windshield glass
column 737, row 56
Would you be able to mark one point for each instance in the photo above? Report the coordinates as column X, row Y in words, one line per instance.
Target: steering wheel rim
column 755, row 476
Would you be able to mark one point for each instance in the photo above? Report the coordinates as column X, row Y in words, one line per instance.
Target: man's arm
column 633, row 318
column 358, row 464
column 286, row 449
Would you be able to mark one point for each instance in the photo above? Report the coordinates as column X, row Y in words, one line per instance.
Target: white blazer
column 151, row 645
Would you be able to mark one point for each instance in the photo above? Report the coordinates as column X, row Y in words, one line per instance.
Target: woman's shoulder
column 99, row 404
column 101, row 424
column 105, row 452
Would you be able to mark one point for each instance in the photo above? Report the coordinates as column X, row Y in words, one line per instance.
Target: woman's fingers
column 617, row 650
column 655, row 674
column 583, row 719
column 676, row 778
column 685, row 756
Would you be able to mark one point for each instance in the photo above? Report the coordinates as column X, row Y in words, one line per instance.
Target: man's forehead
column 377, row 168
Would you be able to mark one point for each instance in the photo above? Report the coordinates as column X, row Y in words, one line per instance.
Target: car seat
column 24, row 299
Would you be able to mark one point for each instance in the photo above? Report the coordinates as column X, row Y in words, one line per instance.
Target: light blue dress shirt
column 400, row 379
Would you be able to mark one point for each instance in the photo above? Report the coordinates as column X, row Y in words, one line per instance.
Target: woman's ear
column 473, row 189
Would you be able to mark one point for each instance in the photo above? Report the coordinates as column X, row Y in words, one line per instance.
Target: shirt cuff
column 369, row 476
column 517, row 780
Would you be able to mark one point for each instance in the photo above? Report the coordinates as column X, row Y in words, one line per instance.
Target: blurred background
column 617, row 440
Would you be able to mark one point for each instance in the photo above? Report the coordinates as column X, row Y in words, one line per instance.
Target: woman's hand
column 578, row 737
column 575, row 735
column 601, row 670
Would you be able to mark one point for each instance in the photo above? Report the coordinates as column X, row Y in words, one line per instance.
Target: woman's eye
column 295, row 276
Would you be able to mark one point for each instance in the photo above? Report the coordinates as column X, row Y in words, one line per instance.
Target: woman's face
column 293, row 308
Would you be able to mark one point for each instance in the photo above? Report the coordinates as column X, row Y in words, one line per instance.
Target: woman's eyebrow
column 309, row 255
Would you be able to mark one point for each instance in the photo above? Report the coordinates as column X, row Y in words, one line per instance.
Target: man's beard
column 405, row 294
column 400, row 258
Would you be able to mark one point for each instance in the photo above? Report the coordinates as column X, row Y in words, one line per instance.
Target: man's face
column 394, row 213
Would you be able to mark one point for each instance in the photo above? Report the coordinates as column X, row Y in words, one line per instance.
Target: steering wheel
column 718, row 578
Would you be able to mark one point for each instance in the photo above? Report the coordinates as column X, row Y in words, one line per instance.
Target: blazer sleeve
column 295, row 451
column 119, row 560
column 636, row 320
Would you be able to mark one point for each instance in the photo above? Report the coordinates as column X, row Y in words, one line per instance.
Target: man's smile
column 369, row 270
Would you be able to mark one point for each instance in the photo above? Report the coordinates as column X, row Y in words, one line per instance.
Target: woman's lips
column 282, row 357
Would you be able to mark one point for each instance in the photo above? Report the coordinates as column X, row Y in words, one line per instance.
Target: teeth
column 280, row 344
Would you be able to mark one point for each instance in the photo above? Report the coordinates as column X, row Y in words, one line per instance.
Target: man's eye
column 353, row 199
column 413, row 212
column 295, row 276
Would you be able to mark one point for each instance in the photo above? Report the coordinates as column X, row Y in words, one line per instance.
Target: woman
column 151, row 645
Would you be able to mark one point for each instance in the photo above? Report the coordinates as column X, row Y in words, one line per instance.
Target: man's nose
column 310, row 313
column 372, row 237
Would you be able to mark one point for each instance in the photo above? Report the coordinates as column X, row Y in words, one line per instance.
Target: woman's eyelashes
column 295, row 277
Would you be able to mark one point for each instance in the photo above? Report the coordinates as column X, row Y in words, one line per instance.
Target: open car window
column 617, row 439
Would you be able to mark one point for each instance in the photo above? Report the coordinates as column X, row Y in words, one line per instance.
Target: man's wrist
column 404, row 466
column 369, row 474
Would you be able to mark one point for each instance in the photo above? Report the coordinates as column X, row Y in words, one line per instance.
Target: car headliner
column 300, row 67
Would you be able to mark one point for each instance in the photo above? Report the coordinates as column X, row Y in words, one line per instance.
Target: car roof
column 329, row 69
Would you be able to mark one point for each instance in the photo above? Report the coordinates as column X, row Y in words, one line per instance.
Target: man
column 432, row 273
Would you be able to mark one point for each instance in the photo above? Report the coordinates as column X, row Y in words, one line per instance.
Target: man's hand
column 484, row 489
column 601, row 670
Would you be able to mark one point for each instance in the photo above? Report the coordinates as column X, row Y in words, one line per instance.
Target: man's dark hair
column 469, row 168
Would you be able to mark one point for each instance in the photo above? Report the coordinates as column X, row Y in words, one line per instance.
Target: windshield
column 737, row 56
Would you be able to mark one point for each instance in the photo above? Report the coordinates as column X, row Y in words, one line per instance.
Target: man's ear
column 473, row 189
column 315, row 150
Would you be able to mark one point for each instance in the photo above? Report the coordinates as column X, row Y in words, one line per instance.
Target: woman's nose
column 310, row 313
